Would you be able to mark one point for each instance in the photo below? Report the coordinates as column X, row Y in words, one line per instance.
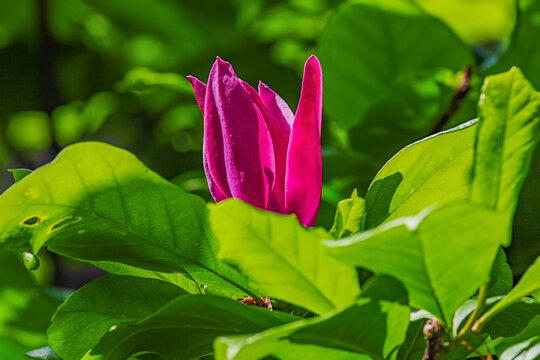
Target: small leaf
column 185, row 328
column 111, row 300
column 143, row 79
column 501, row 278
column 349, row 217
column 281, row 258
column 432, row 254
column 19, row 174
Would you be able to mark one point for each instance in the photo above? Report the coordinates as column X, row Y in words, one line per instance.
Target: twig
column 460, row 94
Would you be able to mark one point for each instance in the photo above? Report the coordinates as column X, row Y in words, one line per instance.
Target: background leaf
column 359, row 54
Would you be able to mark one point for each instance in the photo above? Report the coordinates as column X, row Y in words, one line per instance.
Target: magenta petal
column 303, row 181
column 279, row 108
column 238, row 146
column 279, row 132
column 200, row 91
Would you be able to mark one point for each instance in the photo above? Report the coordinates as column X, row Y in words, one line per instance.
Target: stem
column 480, row 302
column 460, row 94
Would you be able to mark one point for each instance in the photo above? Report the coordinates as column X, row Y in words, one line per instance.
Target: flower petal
column 239, row 149
column 200, row 91
column 303, row 180
column 279, row 131
column 274, row 103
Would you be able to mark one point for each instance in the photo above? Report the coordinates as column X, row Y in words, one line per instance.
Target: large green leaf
column 89, row 313
column 368, row 44
column 281, row 258
column 375, row 326
column 504, row 140
column 507, row 134
column 185, row 328
column 403, row 188
column 99, row 203
column 441, row 256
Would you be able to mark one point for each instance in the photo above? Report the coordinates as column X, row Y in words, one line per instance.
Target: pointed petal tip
column 262, row 86
column 223, row 67
column 193, row 80
column 313, row 61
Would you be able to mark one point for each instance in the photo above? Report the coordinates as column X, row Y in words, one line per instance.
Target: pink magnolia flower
column 256, row 149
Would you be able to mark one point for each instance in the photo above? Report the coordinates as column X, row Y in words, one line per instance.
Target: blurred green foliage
column 114, row 71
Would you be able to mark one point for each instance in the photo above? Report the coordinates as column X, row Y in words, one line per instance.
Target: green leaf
column 19, row 174
column 359, row 51
column 441, row 256
column 507, row 134
column 185, row 328
column 143, row 79
column 403, row 188
column 349, row 217
column 414, row 346
column 282, row 259
column 528, row 284
column 501, row 278
column 99, row 203
column 370, row 326
column 44, row 353
column 89, row 313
